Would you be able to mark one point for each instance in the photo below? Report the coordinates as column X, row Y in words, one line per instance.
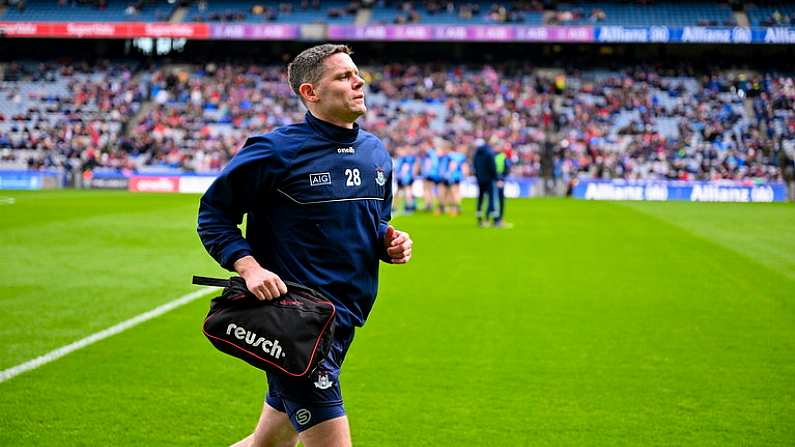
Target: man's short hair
column 308, row 66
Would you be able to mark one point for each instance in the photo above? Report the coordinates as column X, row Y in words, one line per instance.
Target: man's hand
column 398, row 245
column 264, row 284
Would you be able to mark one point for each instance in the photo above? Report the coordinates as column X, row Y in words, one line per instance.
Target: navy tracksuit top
column 485, row 167
column 318, row 198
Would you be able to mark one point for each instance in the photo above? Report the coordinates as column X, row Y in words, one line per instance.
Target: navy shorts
column 402, row 183
column 317, row 398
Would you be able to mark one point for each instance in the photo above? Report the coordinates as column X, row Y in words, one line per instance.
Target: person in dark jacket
column 318, row 195
column 786, row 163
column 502, row 161
column 486, row 175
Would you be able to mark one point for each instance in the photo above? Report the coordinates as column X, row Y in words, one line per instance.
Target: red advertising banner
column 154, row 184
column 105, row 30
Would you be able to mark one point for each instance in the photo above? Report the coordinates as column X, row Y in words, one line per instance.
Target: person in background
column 443, row 149
column 486, row 175
column 456, row 171
column 786, row 163
column 406, row 168
column 429, row 170
column 502, row 162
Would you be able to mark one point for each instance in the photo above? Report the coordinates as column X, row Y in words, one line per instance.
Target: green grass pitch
column 588, row 323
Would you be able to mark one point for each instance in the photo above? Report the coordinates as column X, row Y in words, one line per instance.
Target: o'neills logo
column 154, row 184
column 268, row 347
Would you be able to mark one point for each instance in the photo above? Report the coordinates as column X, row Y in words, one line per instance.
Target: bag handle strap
column 219, row 282
column 206, row 281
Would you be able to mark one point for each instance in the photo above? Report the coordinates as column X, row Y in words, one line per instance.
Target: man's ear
column 308, row 92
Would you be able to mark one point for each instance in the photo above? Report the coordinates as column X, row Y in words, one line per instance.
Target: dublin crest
column 380, row 177
column 323, row 382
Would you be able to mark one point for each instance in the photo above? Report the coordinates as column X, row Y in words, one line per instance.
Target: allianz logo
column 268, row 347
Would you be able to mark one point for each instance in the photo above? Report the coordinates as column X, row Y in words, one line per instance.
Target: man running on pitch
column 318, row 196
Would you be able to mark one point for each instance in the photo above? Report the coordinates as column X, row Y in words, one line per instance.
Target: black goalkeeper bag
column 289, row 335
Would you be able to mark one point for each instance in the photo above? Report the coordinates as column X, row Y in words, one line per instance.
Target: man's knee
column 291, row 442
column 330, row 433
column 274, row 430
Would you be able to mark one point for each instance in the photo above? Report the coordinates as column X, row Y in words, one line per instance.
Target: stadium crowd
column 71, row 115
column 640, row 123
column 404, row 11
column 778, row 18
column 496, row 12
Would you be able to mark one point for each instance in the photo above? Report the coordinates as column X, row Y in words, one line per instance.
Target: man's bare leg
column 427, row 194
column 331, row 433
column 273, row 430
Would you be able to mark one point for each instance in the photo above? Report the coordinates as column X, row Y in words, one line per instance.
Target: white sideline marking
column 101, row 335
column 4, row 200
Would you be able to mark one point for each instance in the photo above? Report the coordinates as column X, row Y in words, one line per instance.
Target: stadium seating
column 659, row 13
column 630, row 124
column 782, row 14
column 114, row 11
column 254, row 11
column 391, row 12
column 200, row 117
column 475, row 13
column 68, row 115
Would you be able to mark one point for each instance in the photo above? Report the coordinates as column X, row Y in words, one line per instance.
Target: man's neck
column 332, row 120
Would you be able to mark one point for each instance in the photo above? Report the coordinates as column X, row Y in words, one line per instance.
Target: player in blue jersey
column 318, row 195
column 454, row 174
column 429, row 170
column 405, row 171
column 443, row 150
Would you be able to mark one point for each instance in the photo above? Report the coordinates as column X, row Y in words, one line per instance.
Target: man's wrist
column 244, row 264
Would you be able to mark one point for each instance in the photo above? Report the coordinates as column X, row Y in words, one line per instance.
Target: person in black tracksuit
column 486, row 174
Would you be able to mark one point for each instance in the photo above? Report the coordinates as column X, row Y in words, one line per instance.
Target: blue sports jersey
column 444, row 165
column 430, row 165
column 318, row 199
column 455, row 167
column 405, row 169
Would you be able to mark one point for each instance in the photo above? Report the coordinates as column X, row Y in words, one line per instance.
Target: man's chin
column 359, row 111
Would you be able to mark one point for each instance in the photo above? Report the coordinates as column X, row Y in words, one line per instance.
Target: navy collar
column 332, row 131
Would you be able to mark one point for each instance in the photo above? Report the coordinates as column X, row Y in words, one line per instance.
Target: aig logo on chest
column 320, row 178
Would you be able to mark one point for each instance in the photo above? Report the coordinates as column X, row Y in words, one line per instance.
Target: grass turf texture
column 589, row 323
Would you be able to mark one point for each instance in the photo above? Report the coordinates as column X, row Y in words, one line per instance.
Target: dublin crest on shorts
column 323, row 382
